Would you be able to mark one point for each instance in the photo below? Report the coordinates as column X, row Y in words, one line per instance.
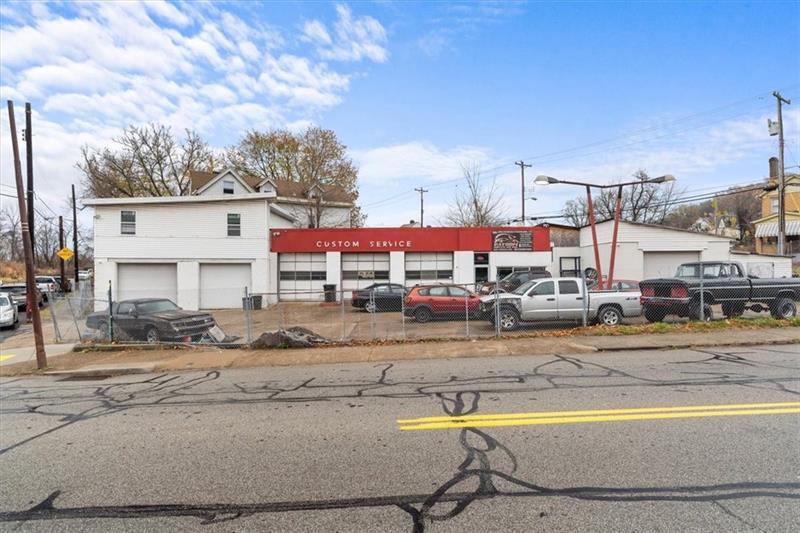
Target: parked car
column 379, row 297
column 9, row 316
column 514, row 280
column 153, row 320
column 67, row 285
column 559, row 299
column 47, row 285
column 425, row 302
column 84, row 275
column 723, row 282
column 17, row 293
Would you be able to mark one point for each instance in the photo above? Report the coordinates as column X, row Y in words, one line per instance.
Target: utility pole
column 781, row 178
column 75, row 236
column 64, row 282
column 30, row 276
column 28, row 135
column 421, row 192
column 522, row 166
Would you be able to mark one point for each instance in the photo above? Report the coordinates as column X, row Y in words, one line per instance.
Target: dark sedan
column 153, row 320
column 380, row 297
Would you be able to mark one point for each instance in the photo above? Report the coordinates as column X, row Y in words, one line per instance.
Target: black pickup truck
column 153, row 320
column 723, row 283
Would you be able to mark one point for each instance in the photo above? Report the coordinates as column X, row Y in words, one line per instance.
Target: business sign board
column 512, row 241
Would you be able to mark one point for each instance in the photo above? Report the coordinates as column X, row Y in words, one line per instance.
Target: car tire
column 609, row 316
column 784, row 309
column 151, row 335
column 370, row 307
column 509, row 319
column 708, row 313
column 654, row 315
column 422, row 315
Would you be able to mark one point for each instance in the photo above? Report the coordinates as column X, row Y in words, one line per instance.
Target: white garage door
column 665, row 264
column 362, row 270
column 301, row 276
column 429, row 267
column 222, row 285
column 147, row 280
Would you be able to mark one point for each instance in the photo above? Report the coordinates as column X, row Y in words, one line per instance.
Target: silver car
column 560, row 299
column 9, row 317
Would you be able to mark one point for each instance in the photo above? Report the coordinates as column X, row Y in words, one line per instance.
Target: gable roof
column 284, row 188
column 227, row 172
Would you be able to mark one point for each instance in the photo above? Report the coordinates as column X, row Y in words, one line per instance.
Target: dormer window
column 227, row 186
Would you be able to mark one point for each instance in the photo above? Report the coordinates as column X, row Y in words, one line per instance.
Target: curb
column 104, row 371
column 695, row 345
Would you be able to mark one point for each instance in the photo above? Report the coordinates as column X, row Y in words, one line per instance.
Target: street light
column 541, row 179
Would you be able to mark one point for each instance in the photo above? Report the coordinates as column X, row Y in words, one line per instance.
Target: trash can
column 257, row 301
column 330, row 292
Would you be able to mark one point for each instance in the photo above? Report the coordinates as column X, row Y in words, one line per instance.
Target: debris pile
column 294, row 337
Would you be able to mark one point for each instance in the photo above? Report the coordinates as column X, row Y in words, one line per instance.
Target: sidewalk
column 208, row 357
column 12, row 355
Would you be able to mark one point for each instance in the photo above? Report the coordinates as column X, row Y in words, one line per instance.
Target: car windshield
column 4, row 301
column 716, row 270
column 522, row 289
column 14, row 288
column 156, row 306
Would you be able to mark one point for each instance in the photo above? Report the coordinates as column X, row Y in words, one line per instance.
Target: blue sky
column 416, row 89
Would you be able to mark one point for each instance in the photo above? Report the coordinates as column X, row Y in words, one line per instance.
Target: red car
column 444, row 301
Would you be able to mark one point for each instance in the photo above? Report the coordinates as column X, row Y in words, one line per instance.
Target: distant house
column 308, row 206
column 766, row 227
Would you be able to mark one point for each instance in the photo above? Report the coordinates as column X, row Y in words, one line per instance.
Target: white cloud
column 92, row 68
column 416, row 159
column 354, row 38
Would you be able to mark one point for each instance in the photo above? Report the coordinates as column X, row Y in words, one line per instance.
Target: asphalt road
column 321, row 448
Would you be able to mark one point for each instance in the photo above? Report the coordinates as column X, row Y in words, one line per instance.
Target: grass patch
column 690, row 327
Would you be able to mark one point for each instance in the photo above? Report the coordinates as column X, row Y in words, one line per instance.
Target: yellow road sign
column 65, row 254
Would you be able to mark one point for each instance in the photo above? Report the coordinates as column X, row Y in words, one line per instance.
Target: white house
column 203, row 250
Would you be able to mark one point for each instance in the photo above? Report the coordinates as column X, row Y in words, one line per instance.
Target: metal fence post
column 702, row 296
column 403, row 312
column 585, row 302
column 496, row 311
column 466, row 310
column 372, row 314
column 248, row 305
column 110, row 315
column 341, row 307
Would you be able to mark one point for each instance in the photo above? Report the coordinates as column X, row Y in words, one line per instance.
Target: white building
column 203, row 251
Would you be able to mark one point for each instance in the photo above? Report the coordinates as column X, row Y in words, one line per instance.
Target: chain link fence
column 391, row 312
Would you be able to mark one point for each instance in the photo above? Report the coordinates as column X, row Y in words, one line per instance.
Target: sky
column 588, row 91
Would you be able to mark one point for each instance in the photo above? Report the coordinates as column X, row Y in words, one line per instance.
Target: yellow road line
column 6, row 356
column 635, row 410
column 605, row 415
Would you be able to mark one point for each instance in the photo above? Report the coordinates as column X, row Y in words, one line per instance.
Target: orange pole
column 617, row 216
column 590, row 207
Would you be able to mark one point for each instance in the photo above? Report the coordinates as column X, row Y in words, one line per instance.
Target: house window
column 774, row 205
column 234, row 225
column 227, row 186
column 127, row 222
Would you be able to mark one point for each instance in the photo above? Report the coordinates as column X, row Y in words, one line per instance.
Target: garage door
column 665, row 264
column 429, row 267
column 362, row 270
column 222, row 285
column 301, row 276
column 147, row 280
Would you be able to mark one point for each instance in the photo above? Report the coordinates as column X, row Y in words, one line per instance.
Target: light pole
column 548, row 180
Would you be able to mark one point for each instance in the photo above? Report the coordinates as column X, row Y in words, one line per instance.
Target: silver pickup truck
column 557, row 299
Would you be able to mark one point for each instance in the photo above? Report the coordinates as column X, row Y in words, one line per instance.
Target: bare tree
column 650, row 203
column 315, row 157
column 144, row 161
column 10, row 235
column 477, row 204
column 46, row 243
